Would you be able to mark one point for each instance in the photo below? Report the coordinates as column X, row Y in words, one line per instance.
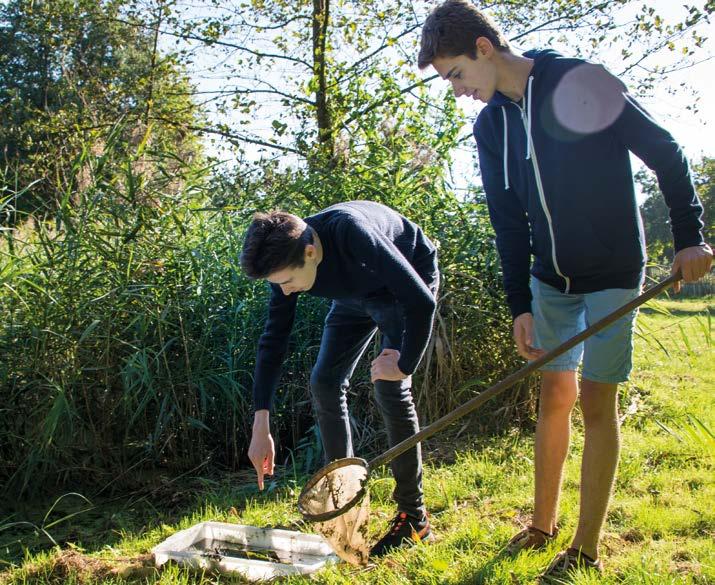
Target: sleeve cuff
column 262, row 405
column 681, row 242
column 406, row 368
column 519, row 304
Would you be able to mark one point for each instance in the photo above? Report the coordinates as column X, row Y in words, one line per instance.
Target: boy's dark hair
column 452, row 29
column 274, row 241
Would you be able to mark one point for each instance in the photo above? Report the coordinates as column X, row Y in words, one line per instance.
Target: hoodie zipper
column 542, row 197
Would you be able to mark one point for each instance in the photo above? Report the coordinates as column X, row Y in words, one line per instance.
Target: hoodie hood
column 542, row 58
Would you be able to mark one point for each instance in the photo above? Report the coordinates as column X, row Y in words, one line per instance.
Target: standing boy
column 554, row 142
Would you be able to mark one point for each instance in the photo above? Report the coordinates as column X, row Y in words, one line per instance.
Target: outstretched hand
column 261, row 453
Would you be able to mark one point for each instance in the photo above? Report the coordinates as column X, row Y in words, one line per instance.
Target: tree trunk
column 321, row 17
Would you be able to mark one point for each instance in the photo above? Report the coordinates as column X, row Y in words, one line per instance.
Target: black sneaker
column 406, row 530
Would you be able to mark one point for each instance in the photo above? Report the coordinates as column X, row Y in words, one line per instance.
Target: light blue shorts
column 559, row 316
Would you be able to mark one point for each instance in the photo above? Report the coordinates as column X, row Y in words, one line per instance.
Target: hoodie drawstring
column 528, row 133
column 506, row 146
column 528, row 119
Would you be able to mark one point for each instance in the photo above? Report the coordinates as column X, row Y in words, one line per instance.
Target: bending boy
column 381, row 272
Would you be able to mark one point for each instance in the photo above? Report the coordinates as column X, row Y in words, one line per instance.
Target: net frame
column 323, row 473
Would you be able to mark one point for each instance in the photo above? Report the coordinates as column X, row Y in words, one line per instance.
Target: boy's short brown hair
column 274, row 241
column 452, row 29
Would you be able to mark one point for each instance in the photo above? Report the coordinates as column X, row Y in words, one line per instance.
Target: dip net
column 336, row 500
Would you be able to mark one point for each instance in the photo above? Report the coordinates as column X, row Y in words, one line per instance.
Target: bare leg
column 600, row 460
column 559, row 391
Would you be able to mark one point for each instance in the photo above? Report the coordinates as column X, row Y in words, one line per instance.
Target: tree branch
column 152, row 65
column 663, row 44
column 540, row 26
column 378, row 103
column 380, row 49
column 676, row 68
column 235, row 91
column 275, row 26
column 321, row 20
column 233, row 138
column 207, row 41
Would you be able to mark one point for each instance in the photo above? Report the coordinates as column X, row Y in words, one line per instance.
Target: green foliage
column 396, row 155
column 654, row 211
column 126, row 324
column 479, row 491
column 130, row 335
column 693, row 432
column 69, row 70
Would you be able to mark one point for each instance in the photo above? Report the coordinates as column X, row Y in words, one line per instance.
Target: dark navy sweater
column 368, row 249
column 559, row 185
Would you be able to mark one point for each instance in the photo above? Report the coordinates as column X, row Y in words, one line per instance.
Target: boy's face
column 474, row 78
column 297, row 279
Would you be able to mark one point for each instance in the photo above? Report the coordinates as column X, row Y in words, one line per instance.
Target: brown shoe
column 530, row 538
column 566, row 563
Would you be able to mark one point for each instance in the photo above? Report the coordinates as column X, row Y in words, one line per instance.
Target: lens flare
column 588, row 99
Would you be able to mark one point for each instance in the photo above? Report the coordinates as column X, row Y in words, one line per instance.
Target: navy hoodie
column 557, row 175
column 369, row 250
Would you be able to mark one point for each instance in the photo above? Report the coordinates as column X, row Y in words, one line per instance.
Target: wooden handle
column 512, row 379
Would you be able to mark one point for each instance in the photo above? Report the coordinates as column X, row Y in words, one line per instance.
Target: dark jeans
column 349, row 327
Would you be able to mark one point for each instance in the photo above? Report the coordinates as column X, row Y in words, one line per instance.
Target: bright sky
column 668, row 104
column 694, row 130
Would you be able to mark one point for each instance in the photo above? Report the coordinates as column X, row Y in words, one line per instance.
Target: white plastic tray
column 208, row 545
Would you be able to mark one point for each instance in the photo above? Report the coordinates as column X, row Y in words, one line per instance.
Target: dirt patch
column 683, row 556
column 685, row 563
column 614, row 543
column 633, row 535
column 86, row 569
column 692, row 568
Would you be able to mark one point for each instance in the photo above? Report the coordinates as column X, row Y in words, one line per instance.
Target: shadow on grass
column 681, row 311
column 489, row 571
column 108, row 522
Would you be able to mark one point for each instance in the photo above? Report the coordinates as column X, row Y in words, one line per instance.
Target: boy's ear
column 309, row 253
column 484, row 46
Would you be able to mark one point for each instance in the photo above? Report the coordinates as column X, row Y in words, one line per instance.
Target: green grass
column 660, row 529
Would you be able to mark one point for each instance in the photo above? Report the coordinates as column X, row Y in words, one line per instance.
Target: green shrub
column 130, row 334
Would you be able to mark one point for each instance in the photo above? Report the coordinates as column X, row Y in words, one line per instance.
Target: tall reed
column 129, row 333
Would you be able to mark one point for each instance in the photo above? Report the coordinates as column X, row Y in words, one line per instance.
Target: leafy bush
column 130, row 335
